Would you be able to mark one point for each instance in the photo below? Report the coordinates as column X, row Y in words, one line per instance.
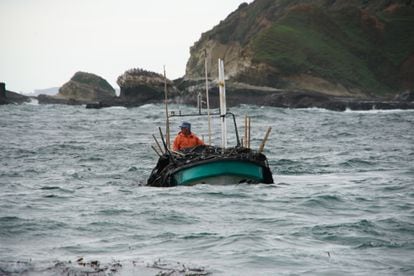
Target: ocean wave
column 68, row 189
column 378, row 111
column 13, row 225
column 357, row 163
column 327, row 201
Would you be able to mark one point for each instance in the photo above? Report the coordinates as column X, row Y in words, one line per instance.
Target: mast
column 223, row 108
column 167, row 120
column 207, row 98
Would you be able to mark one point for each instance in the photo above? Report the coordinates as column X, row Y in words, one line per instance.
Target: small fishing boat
column 209, row 164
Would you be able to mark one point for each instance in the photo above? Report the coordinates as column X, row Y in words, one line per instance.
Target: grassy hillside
column 359, row 44
column 339, row 46
column 92, row 80
column 312, row 42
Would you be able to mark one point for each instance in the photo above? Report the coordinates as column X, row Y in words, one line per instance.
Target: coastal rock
column 240, row 93
column 9, row 97
column 81, row 89
column 406, row 96
column 140, row 87
column 3, row 98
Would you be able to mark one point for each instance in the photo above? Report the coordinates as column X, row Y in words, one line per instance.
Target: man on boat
column 185, row 138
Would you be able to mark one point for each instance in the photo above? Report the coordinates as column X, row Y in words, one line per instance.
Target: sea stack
column 139, row 86
column 82, row 88
column 3, row 98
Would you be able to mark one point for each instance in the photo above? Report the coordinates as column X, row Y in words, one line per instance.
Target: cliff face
column 337, row 47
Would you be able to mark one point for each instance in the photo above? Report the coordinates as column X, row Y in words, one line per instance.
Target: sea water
column 72, row 199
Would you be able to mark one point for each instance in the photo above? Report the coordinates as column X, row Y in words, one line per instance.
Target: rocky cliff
column 338, row 48
column 82, row 88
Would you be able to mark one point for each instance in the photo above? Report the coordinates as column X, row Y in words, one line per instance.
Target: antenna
column 223, row 108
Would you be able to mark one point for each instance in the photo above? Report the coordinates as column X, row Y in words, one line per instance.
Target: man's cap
column 185, row 125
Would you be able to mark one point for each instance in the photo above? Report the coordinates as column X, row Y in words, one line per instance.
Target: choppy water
column 342, row 204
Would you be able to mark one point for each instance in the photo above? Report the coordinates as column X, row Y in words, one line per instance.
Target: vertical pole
column 223, row 108
column 248, row 131
column 245, row 131
column 158, row 144
column 167, row 121
column 199, row 103
column 207, row 98
column 264, row 140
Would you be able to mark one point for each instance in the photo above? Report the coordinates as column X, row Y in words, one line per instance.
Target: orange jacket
column 186, row 141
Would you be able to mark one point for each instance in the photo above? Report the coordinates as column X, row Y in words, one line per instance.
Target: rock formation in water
column 337, row 51
column 9, row 97
column 141, row 86
column 3, row 98
column 82, row 88
column 138, row 87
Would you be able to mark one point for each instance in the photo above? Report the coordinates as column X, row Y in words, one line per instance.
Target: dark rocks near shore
column 9, row 97
column 237, row 93
column 406, row 96
column 299, row 99
column 3, row 98
column 138, row 87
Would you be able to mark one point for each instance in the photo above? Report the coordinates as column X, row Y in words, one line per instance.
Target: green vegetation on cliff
column 93, row 81
column 363, row 45
column 312, row 42
column 338, row 46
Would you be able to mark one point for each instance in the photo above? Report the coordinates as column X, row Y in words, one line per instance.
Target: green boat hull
column 220, row 172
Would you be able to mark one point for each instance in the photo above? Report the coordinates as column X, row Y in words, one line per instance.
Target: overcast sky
column 44, row 42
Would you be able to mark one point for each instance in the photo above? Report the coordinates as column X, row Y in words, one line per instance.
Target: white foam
column 115, row 107
column 376, row 111
column 33, row 102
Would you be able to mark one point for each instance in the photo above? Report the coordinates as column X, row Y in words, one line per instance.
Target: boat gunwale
column 211, row 161
column 215, row 159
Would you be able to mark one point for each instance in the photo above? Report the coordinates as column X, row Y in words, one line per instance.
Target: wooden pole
column 264, row 140
column 155, row 150
column 165, row 146
column 162, row 139
column 158, row 144
column 167, row 121
column 248, row 131
column 199, row 103
column 245, row 131
column 207, row 98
